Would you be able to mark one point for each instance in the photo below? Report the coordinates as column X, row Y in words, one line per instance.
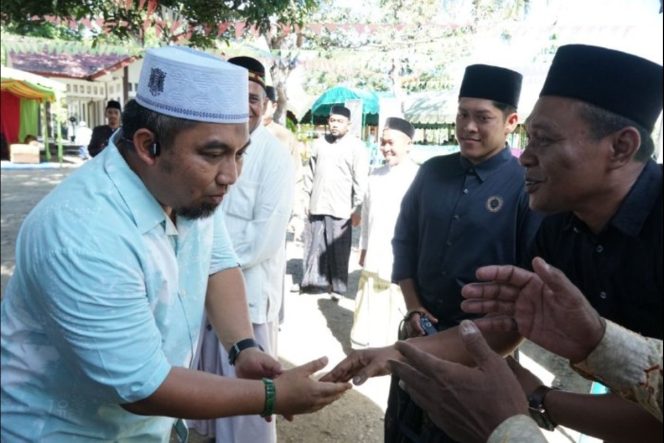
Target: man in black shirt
column 101, row 134
column 588, row 161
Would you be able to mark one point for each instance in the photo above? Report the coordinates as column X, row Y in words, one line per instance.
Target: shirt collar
column 638, row 204
column 145, row 210
column 484, row 169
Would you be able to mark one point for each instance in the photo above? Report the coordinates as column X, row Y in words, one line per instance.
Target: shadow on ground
column 352, row 418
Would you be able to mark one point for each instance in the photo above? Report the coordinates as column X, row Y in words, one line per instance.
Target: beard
column 203, row 210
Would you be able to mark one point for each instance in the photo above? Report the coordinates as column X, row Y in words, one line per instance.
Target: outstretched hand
column 299, row 393
column 544, row 306
column 467, row 403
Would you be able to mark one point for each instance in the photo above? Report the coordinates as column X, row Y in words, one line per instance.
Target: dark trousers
column 327, row 242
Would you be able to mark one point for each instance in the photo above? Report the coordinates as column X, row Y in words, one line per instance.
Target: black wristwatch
column 241, row 346
column 538, row 411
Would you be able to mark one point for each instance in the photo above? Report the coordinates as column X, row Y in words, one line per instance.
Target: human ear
column 624, row 145
column 510, row 122
column 144, row 144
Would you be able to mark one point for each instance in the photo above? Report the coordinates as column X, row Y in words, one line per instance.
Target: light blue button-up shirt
column 107, row 296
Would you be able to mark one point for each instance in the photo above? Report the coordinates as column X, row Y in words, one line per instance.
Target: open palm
column 544, row 306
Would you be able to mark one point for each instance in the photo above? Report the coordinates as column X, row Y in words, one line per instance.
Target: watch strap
column 537, row 409
column 240, row 346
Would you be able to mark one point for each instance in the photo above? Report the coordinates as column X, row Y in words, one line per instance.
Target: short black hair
column 164, row 127
column 505, row 108
column 602, row 123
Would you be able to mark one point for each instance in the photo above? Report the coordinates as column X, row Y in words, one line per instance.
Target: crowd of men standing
column 156, row 298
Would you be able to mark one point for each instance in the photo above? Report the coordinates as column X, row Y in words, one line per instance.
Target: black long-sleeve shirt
column 456, row 217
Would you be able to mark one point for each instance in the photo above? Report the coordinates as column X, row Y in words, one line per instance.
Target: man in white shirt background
column 379, row 304
column 256, row 213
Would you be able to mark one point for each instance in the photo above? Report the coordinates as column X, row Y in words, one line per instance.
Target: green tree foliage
column 401, row 45
column 195, row 22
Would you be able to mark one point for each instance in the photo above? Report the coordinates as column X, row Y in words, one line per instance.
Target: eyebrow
column 475, row 111
column 222, row 145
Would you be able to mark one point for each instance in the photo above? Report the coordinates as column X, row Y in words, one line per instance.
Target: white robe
column 379, row 304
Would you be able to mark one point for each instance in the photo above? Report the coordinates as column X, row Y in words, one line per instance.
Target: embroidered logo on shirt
column 494, row 203
column 156, row 83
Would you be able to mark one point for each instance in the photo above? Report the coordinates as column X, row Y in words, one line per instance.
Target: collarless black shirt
column 619, row 270
column 456, row 217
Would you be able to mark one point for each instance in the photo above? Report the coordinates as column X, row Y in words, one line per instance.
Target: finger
column 476, row 306
column 376, row 366
column 329, row 392
column 313, row 366
column 426, row 363
column 553, row 277
column 505, row 274
column 273, row 367
column 476, row 345
column 343, row 371
column 490, row 291
column 431, row 317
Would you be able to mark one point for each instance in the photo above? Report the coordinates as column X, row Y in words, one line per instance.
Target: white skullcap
column 186, row 83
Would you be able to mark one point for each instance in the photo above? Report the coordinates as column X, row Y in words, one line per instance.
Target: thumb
column 475, row 344
column 314, row 365
column 551, row 276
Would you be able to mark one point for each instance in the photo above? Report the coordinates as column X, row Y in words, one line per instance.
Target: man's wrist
column 538, row 410
column 238, row 347
column 594, row 341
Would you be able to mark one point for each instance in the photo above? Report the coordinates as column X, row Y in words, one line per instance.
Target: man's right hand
column 543, row 306
column 363, row 364
column 299, row 393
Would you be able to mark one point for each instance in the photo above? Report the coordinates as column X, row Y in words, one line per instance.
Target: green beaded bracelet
column 270, row 397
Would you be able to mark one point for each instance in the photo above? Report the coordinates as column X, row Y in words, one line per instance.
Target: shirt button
column 599, row 249
column 465, row 191
column 448, row 243
column 456, row 217
column 443, row 272
column 603, row 295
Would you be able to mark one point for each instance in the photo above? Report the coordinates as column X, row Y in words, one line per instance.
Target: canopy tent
column 22, row 94
column 339, row 95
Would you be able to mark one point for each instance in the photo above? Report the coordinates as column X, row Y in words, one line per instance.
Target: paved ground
column 314, row 326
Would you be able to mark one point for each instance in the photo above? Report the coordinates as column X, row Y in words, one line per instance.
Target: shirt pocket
column 242, row 201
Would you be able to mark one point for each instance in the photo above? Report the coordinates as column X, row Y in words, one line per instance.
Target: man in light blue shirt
column 102, row 316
